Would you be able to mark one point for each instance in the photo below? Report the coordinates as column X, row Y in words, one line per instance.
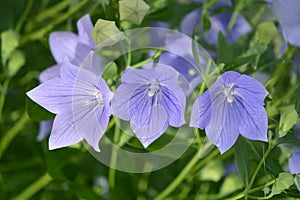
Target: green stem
column 11, row 134
column 24, row 15
column 156, row 55
column 34, row 187
column 52, row 11
column 262, row 161
column 184, row 173
column 41, row 32
column 259, row 188
column 235, row 13
column 3, row 95
column 114, row 157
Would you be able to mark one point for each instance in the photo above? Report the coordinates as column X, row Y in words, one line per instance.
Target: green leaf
column 107, row 31
column 242, row 159
column 133, row 10
column 83, row 191
column 9, row 42
column 16, row 61
column 213, row 171
column 58, row 160
column 110, row 71
column 266, row 32
column 283, row 182
column 231, row 184
column 225, row 52
column 288, row 119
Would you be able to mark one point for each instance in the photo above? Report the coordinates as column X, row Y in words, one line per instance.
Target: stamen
column 154, row 90
column 229, row 93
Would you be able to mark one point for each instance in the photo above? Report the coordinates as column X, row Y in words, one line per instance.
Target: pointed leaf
column 9, row 42
column 16, row 61
column 213, row 171
column 265, row 33
column 288, row 119
column 231, row 184
column 283, row 182
column 242, row 159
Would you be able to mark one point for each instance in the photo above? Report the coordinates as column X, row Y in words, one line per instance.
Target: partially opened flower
column 233, row 105
column 150, row 99
column 80, row 100
column 75, row 47
column 294, row 161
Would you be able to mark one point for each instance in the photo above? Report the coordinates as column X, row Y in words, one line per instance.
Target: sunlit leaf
column 288, row 119
column 9, row 42
column 231, row 184
column 283, row 182
column 213, row 171
column 133, row 10
column 265, row 33
column 16, row 61
column 242, row 159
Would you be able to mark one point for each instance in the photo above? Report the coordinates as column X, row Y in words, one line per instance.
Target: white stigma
column 99, row 98
column 229, row 93
column 153, row 90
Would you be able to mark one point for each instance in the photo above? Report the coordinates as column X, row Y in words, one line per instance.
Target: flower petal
column 201, row 111
column 49, row 73
column 63, row 44
column 45, row 128
column 138, row 76
column 55, row 95
column 157, row 126
column 87, row 118
column 94, row 63
column 291, row 33
column 63, row 133
column 120, row 101
column 189, row 21
column 140, row 106
column 85, row 27
column 294, row 166
column 229, row 131
column 230, row 77
column 250, row 89
column 254, row 122
column 223, row 128
column 173, row 100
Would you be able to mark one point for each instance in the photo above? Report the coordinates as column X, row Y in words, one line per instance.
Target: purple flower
column 294, row 161
column 219, row 23
column 75, row 47
column 150, row 99
column 288, row 16
column 80, row 100
column 233, row 105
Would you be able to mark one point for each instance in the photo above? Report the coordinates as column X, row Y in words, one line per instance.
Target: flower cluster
column 151, row 98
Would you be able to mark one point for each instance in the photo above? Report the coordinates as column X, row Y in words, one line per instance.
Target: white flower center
column 153, row 88
column 99, row 98
column 229, row 93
